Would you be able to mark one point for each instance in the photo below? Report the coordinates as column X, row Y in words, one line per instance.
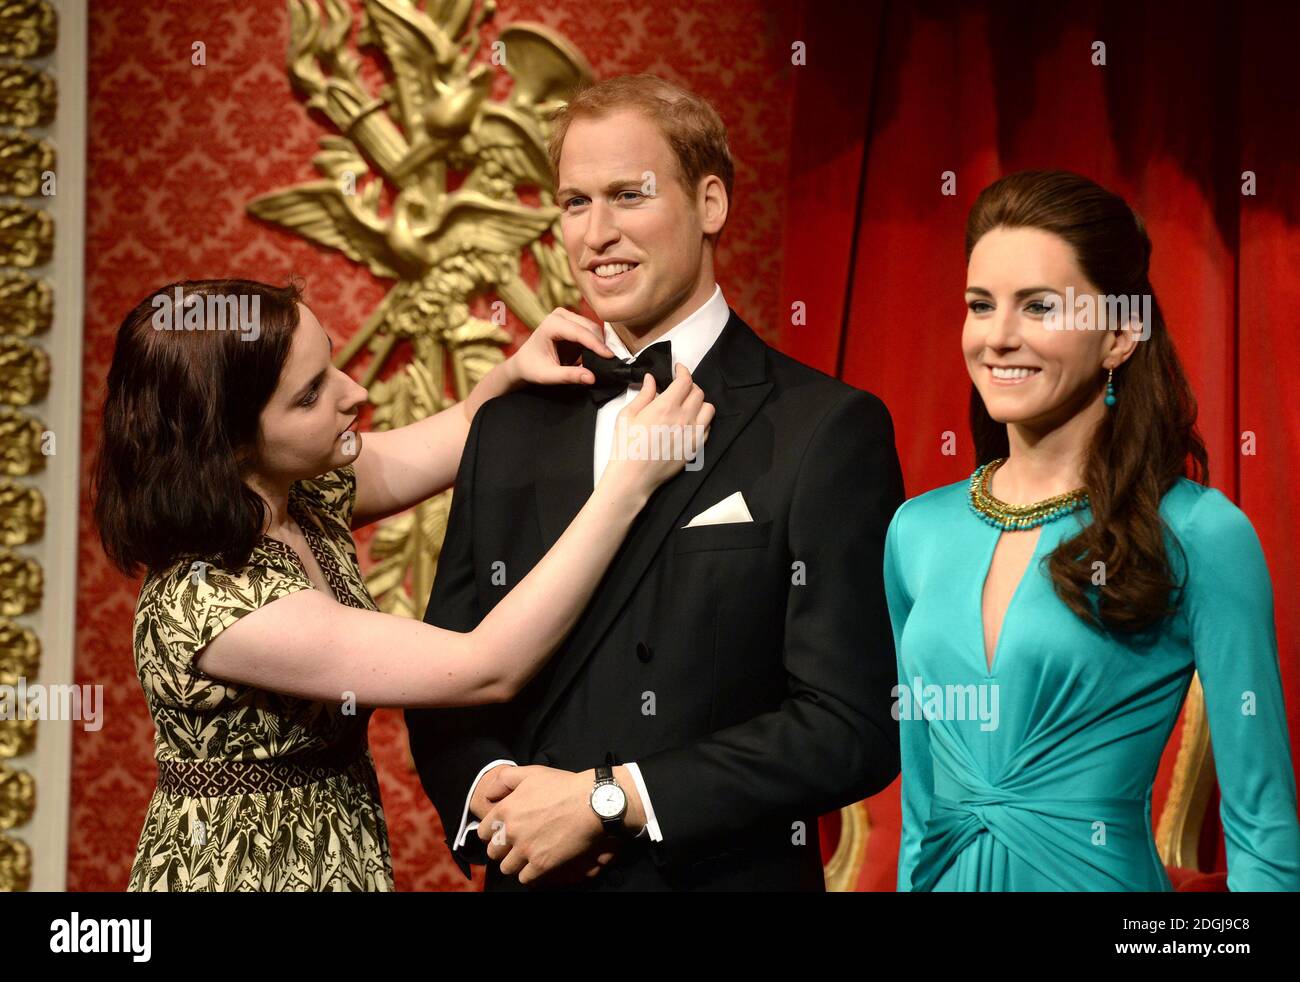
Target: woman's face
column 308, row 426
column 1031, row 365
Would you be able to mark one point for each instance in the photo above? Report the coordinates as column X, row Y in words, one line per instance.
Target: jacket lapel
column 564, row 473
column 733, row 375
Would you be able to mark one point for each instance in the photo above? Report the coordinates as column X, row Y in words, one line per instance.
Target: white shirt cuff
column 467, row 825
column 651, row 823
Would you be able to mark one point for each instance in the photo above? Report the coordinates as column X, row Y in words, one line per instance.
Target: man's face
column 632, row 232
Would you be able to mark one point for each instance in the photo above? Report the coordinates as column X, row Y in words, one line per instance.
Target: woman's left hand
column 538, row 359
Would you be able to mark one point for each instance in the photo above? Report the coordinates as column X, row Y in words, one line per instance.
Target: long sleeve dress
column 1037, row 774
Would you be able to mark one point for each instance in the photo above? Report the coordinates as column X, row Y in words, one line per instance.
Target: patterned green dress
column 256, row 790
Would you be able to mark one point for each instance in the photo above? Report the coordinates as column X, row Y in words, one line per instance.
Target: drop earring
column 1110, row 387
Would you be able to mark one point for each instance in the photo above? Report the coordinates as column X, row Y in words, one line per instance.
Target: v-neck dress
column 209, row 824
column 1036, row 773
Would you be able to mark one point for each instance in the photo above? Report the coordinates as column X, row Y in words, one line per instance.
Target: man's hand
column 545, row 822
column 489, row 790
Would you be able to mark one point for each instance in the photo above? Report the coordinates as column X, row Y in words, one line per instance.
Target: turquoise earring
column 1110, row 387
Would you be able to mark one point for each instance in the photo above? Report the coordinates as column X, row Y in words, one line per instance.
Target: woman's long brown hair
column 1146, row 441
column 180, row 418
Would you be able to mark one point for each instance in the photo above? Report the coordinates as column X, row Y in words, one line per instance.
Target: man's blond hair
column 692, row 127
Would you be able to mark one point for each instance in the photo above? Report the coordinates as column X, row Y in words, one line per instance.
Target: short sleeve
column 224, row 598
column 333, row 494
column 182, row 610
column 206, row 599
column 1229, row 607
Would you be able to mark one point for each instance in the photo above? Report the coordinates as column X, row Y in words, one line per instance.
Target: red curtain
column 894, row 95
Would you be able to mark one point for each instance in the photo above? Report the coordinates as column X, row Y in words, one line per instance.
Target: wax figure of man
column 731, row 679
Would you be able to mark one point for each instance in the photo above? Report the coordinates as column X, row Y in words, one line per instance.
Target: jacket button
column 644, row 651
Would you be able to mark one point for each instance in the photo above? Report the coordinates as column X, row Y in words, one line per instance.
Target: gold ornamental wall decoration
column 430, row 183
column 28, row 98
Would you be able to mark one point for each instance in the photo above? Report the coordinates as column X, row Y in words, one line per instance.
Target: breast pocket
column 731, row 535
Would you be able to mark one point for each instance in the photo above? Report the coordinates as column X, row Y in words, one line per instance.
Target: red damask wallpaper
column 176, row 150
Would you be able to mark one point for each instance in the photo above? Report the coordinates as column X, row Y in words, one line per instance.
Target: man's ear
column 712, row 203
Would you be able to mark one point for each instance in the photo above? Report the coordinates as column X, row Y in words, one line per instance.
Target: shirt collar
column 691, row 339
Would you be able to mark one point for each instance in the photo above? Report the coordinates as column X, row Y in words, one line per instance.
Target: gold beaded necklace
column 1015, row 518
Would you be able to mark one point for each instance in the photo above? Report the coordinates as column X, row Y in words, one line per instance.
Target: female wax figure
column 1067, row 592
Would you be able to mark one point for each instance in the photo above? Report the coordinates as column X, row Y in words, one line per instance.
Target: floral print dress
column 256, row 790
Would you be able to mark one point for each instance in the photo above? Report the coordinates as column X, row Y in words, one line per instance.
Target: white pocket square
column 730, row 509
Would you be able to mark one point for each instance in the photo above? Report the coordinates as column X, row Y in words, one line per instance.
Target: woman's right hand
column 656, row 435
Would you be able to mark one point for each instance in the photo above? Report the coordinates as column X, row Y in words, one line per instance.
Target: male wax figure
column 731, row 679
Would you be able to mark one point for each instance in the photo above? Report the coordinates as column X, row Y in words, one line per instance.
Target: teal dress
column 1037, row 774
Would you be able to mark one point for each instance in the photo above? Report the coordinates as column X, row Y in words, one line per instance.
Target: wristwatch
column 608, row 800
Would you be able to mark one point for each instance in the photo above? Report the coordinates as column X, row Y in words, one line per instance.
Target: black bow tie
column 613, row 375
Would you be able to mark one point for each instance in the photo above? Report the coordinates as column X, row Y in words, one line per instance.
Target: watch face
column 608, row 800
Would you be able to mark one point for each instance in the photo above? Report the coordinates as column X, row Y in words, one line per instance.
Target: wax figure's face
column 1048, row 370
column 634, row 234
column 309, row 425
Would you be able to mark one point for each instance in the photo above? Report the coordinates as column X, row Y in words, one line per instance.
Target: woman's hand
column 540, row 360
column 654, row 438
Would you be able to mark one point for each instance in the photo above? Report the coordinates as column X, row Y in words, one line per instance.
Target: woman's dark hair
column 1146, row 441
column 186, row 389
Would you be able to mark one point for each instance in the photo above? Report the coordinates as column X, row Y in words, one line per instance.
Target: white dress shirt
column 691, row 341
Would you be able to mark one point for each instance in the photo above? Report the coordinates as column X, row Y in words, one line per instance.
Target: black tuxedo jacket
column 746, row 668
